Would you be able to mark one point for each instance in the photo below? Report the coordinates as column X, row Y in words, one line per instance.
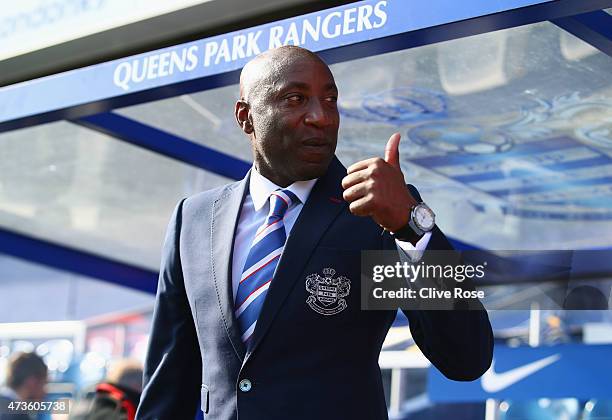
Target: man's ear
column 242, row 116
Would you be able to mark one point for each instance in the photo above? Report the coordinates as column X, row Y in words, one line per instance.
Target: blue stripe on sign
column 521, row 173
column 524, row 149
column 250, row 284
column 602, row 202
column 560, row 214
column 551, row 187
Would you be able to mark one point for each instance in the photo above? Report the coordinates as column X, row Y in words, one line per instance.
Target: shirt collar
column 261, row 187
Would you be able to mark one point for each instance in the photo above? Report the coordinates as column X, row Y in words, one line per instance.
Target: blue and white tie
column 261, row 263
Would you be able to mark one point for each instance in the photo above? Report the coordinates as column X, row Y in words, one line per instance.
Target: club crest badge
column 327, row 292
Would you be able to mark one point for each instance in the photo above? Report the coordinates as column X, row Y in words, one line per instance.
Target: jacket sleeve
column 459, row 343
column 172, row 373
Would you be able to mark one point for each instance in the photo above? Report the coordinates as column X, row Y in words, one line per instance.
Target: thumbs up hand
column 375, row 187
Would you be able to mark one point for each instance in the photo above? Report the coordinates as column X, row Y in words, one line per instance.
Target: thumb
column 392, row 150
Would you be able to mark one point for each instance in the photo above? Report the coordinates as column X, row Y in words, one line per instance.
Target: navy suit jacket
column 301, row 364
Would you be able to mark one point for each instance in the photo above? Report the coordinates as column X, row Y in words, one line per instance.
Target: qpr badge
column 327, row 292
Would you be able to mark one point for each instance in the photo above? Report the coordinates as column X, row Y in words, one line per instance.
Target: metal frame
column 76, row 261
column 594, row 28
column 581, row 18
column 166, row 144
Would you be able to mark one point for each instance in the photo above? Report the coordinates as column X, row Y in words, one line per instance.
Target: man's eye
column 332, row 99
column 294, row 98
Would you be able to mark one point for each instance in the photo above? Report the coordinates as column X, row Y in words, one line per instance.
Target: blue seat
column 598, row 409
column 525, row 410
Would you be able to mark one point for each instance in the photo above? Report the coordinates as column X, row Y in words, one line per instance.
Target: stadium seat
column 598, row 410
column 522, row 410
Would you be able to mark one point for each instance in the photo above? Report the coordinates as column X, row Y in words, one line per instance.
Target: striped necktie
column 261, row 263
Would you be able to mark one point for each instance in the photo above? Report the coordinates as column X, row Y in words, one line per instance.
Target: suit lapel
column 322, row 207
column 225, row 215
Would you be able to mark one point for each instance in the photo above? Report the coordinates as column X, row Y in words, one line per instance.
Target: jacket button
column 245, row 385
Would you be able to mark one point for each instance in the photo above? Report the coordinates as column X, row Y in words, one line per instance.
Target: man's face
column 34, row 388
column 295, row 122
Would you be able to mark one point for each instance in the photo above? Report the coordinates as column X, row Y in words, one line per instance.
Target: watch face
column 424, row 217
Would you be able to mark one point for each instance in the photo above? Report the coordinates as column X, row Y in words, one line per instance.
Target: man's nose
column 320, row 114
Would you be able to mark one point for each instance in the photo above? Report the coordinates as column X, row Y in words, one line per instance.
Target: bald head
column 264, row 71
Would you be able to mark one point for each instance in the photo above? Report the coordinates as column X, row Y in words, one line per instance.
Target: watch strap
column 405, row 234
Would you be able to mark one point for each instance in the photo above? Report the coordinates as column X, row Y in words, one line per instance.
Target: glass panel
column 26, row 290
column 77, row 187
column 60, row 315
column 205, row 117
column 507, row 134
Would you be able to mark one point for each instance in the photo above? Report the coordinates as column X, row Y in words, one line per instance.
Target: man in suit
column 258, row 304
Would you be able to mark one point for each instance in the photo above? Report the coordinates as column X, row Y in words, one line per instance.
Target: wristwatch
column 422, row 219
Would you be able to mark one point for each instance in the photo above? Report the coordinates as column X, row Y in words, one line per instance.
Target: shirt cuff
column 414, row 252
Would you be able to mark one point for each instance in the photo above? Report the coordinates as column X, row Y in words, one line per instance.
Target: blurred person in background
column 117, row 397
column 26, row 380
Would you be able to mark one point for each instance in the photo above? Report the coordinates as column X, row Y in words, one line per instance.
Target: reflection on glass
column 508, row 134
column 77, row 187
column 33, row 293
column 205, row 118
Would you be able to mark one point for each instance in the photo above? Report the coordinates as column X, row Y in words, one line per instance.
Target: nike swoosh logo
column 493, row 381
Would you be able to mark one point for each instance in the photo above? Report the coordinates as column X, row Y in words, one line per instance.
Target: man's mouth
column 315, row 142
column 315, row 150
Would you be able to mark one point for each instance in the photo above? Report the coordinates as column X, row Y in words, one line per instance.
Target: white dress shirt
column 255, row 211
